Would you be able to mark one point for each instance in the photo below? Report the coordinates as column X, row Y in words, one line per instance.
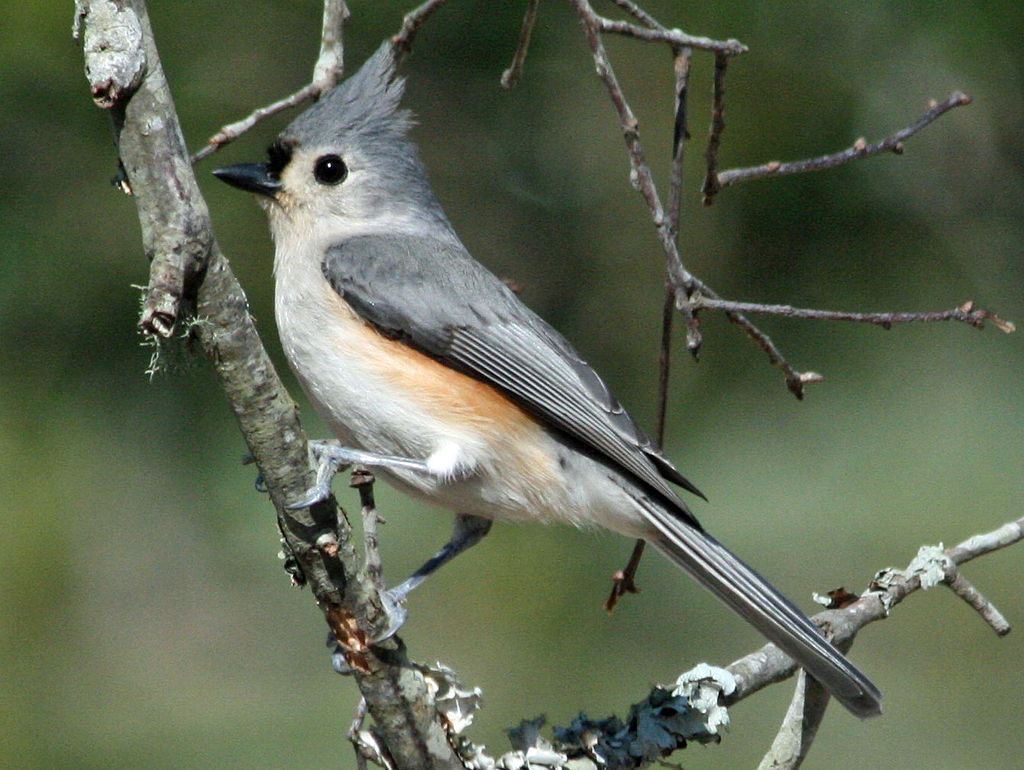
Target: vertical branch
column 680, row 134
column 331, row 61
column 510, row 77
column 176, row 224
column 711, row 183
column 640, row 171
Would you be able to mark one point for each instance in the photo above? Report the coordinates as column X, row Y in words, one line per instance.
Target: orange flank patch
column 456, row 395
column 434, row 387
column 504, row 443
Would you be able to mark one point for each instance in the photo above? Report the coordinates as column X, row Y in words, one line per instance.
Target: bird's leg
column 467, row 532
column 331, row 458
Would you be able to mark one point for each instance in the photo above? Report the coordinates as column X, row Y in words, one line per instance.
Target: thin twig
column 232, row 131
column 859, row 150
column 411, row 23
column 624, row 581
column 673, row 37
column 511, row 76
column 640, row 172
column 362, row 480
column 799, row 727
column 890, row 587
column 795, row 379
column 680, row 133
column 326, row 71
column 355, row 736
column 711, row 186
column 330, row 62
column 963, row 588
column 638, row 13
column 965, row 313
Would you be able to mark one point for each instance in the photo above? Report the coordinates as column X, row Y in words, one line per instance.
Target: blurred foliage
column 144, row 619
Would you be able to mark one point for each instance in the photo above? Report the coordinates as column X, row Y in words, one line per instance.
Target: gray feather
column 434, row 296
column 755, row 600
column 364, row 105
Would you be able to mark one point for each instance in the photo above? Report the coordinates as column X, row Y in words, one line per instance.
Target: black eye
column 330, row 169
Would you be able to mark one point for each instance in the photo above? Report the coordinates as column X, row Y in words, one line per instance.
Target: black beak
column 251, row 177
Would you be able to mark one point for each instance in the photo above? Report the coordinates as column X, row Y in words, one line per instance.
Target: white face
column 330, row 193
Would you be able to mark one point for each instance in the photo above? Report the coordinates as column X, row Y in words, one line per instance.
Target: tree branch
column 330, row 64
column 693, row 711
column 510, row 77
column 411, row 23
column 859, row 150
column 888, row 588
column 187, row 269
column 176, row 227
column 966, row 313
column 711, row 184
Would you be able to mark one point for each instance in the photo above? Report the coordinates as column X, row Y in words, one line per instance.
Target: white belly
column 488, row 457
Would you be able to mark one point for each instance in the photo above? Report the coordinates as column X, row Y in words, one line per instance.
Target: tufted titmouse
column 427, row 367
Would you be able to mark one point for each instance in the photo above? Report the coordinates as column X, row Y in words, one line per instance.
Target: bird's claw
column 313, row 495
column 394, row 610
column 331, row 458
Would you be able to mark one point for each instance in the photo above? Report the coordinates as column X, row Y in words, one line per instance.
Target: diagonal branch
column 589, row 744
column 711, row 183
column 411, row 23
column 887, row 589
column 326, row 71
column 175, row 220
column 858, row 151
column 511, row 76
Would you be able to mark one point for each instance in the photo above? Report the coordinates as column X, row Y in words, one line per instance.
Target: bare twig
column 640, row 171
column 799, row 726
column 411, row 23
column 624, row 581
column 860, row 149
column 684, row 283
column 362, row 481
column 795, row 380
column 680, row 133
column 889, row 588
column 511, row 76
column 232, row 131
column 638, row 13
column 711, row 186
column 356, row 738
column 963, row 588
column 673, row 37
column 326, row 71
column 330, row 62
column 965, row 313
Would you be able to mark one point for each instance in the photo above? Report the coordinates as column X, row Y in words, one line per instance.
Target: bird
column 428, row 368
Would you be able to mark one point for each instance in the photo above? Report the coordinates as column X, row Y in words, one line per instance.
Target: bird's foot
column 331, row 458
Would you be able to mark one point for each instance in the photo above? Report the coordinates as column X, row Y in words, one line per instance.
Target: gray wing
column 435, row 297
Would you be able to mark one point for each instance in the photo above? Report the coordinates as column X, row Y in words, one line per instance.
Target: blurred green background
column 144, row 617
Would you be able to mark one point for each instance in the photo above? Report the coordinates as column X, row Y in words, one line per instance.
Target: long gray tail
column 761, row 605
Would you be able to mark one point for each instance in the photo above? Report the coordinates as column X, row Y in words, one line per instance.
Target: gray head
column 346, row 166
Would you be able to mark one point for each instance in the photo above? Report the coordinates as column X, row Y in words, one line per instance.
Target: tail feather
column 761, row 605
